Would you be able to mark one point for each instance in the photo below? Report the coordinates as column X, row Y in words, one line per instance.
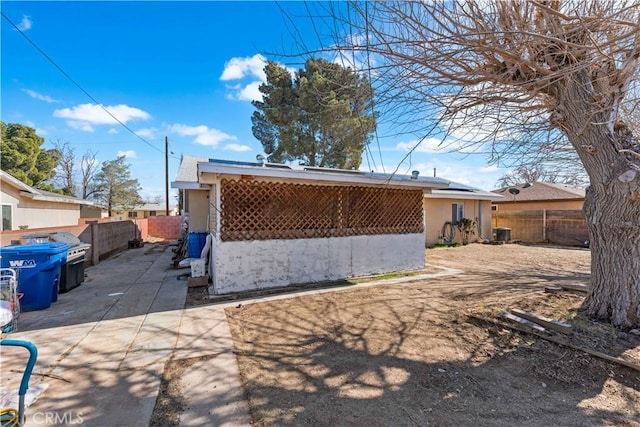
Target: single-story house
column 275, row 225
column 147, row 210
column 539, row 195
column 445, row 208
column 25, row 207
column 542, row 212
column 93, row 211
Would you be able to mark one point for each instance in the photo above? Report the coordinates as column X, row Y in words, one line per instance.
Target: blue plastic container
column 38, row 268
column 195, row 243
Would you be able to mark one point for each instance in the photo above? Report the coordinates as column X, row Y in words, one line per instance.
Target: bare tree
column 89, row 167
column 523, row 174
column 526, row 82
column 65, row 172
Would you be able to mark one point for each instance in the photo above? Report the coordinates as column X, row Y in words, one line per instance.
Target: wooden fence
column 563, row 227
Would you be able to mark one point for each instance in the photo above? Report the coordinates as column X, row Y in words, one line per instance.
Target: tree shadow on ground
column 407, row 355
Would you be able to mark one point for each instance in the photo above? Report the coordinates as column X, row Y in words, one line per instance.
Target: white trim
column 466, row 195
column 354, row 177
column 188, row 185
column 61, row 199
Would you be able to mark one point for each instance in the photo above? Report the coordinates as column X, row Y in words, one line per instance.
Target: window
column 7, row 220
column 152, row 213
column 457, row 213
column 133, row 214
column 494, row 207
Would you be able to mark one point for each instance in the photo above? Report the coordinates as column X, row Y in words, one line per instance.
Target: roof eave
column 364, row 178
column 45, row 198
column 450, row 194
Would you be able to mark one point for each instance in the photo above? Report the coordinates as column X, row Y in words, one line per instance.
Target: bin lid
column 41, row 248
column 66, row 237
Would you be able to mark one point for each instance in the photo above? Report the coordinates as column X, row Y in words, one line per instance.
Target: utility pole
column 166, row 172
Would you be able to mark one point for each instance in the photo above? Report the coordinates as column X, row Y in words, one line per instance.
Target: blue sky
column 185, row 70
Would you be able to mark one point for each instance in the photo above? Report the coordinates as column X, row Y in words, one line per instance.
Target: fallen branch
column 522, row 321
column 552, row 339
column 576, row 287
column 555, row 325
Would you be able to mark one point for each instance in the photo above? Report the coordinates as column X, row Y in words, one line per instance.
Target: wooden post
column 544, row 225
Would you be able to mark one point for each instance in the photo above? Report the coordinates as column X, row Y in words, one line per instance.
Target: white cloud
column 147, row 132
column 242, row 69
column 39, row 96
column 85, row 116
column 39, row 131
column 83, row 126
column 237, row 68
column 482, row 177
column 250, row 92
column 130, row 154
column 427, row 145
column 25, row 24
column 435, row 145
column 203, row 134
column 237, row 147
column 112, row 131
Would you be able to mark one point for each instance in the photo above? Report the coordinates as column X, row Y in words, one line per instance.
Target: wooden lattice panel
column 256, row 210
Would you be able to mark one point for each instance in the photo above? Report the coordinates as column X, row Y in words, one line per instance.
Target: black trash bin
column 72, row 274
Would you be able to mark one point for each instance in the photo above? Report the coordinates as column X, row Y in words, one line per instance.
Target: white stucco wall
column 260, row 264
column 198, row 211
column 38, row 213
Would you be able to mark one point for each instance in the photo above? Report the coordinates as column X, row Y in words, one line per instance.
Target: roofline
column 61, row 199
column 355, row 177
column 573, row 199
column 16, row 182
column 189, row 185
column 465, row 195
column 35, row 194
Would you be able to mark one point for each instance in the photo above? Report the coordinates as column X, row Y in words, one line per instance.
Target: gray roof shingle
column 540, row 191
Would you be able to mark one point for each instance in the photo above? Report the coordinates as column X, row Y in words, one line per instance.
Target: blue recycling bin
column 195, row 244
column 38, row 268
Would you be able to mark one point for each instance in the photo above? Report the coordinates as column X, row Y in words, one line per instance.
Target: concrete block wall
column 105, row 237
column 165, row 227
column 109, row 238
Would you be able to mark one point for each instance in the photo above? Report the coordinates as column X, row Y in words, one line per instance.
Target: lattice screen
column 255, row 210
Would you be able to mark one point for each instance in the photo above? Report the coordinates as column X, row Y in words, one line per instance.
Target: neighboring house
column 88, row 211
column 276, row 225
column 147, row 210
column 449, row 206
column 25, row 207
column 542, row 212
column 539, row 195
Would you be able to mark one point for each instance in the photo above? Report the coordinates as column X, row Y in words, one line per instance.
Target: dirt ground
column 416, row 354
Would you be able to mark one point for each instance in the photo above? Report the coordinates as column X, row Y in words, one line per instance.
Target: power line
column 64, row 73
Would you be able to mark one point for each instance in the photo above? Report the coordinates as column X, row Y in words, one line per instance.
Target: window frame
column 10, row 206
column 457, row 212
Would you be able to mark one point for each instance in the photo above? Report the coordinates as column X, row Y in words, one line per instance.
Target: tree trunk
column 612, row 203
column 615, row 255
